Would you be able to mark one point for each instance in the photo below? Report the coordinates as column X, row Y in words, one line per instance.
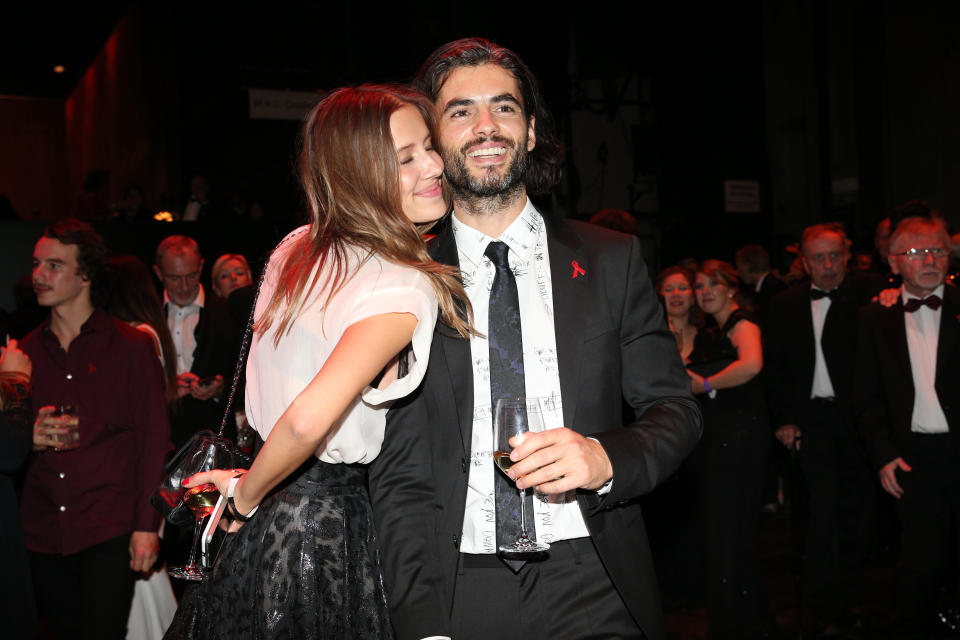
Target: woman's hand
column 13, row 360
column 221, row 478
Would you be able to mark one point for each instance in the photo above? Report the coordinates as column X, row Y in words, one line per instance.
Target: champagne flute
column 205, row 456
column 201, row 500
column 515, row 417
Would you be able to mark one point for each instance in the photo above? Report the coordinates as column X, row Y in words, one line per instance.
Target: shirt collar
column 759, row 284
column 520, row 236
column 98, row 321
column 197, row 302
column 905, row 295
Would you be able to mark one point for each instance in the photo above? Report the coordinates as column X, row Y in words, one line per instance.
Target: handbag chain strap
column 242, row 358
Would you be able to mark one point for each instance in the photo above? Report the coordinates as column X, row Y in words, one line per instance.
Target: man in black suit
column 908, row 383
column 204, row 334
column 592, row 334
column 760, row 285
column 810, row 345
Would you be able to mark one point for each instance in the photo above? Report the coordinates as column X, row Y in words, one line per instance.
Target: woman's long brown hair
column 351, row 179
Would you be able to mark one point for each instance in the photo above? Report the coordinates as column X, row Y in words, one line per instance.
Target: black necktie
column 818, row 294
column 506, row 381
column 913, row 304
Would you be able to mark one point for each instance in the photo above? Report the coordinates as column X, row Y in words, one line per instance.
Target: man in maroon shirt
column 88, row 523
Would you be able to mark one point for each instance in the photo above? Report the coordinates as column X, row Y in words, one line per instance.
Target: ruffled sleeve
column 402, row 291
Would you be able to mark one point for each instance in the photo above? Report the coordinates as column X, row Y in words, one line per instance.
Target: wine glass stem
column 523, row 515
column 192, row 564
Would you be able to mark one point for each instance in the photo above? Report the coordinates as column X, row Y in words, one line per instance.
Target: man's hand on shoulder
column 144, row 546
column 559, row 460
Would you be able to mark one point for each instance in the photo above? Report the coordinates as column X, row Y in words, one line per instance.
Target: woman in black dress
column 724, row 369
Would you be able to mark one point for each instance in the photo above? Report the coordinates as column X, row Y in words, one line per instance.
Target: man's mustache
column 508, row 143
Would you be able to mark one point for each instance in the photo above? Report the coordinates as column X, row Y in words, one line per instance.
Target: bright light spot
column 59, row 68
column 163, row 216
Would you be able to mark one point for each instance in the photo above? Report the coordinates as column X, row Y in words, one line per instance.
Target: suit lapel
column 949, row 329
column 455, row 351
column 571, row 276
column 895, row 331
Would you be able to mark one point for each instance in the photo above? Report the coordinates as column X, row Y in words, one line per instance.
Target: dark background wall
column 840, row 110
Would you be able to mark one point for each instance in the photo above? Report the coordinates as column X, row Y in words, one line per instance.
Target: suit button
column 463, row 465
column 456, row 542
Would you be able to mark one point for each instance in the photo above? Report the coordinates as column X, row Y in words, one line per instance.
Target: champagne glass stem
column 192, row 564
column 523, row 515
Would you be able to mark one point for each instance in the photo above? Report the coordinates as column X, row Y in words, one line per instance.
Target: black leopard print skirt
column 306, row 565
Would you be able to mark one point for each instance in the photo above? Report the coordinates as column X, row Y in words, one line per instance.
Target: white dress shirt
column 182, row 322
column 555, row 517
column 923, row 335
column 822, row 386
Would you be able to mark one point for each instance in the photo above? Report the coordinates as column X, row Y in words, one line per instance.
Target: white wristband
column 233, row 507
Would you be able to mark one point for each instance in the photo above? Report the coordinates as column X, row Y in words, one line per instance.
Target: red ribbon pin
column 577, row 270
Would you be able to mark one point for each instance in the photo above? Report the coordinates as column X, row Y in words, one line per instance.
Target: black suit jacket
column 760, row 300
column 612, row 343
column 218, row 345
column 884, row 386
column 790, row 346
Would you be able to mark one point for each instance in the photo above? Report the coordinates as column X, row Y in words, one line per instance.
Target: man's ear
column 531, row 133
column 156, row 271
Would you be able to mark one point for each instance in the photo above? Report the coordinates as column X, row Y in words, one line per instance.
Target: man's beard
column 490, row 188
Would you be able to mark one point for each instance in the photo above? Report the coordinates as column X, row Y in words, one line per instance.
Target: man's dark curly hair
column 546, row 159
column 91, row 249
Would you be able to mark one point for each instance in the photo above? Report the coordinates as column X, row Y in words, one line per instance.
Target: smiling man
column 567, row 318
column 907, row 383
column 86, row 513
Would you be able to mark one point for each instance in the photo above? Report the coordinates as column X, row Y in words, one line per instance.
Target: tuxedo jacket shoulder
column 612, row 343
column 884, row 382
column 218, row 340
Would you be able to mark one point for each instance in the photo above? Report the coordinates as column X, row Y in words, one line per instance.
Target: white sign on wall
column 741, row 196
column 268, row 104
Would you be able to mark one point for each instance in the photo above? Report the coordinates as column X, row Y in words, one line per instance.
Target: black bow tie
column 913, row 304
column 817, row 294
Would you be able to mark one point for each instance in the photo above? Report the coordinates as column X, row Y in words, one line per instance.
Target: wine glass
column 515, row 417
column 201, row 499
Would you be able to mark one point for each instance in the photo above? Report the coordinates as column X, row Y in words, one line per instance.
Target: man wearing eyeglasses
column 907, row 389
column 203, row 333
column 809, row 350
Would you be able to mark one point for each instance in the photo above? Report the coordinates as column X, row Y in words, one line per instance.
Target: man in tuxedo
column 564, row 313
column 811, row 340
column 204, row 334
column 907, row 385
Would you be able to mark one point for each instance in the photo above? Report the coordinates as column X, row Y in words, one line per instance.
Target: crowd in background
column 737, row 330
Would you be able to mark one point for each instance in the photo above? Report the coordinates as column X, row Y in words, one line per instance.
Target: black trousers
column 734, row 462
column 566, row 596
column 928, row 513
column 85, row 595
column 842, row 503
